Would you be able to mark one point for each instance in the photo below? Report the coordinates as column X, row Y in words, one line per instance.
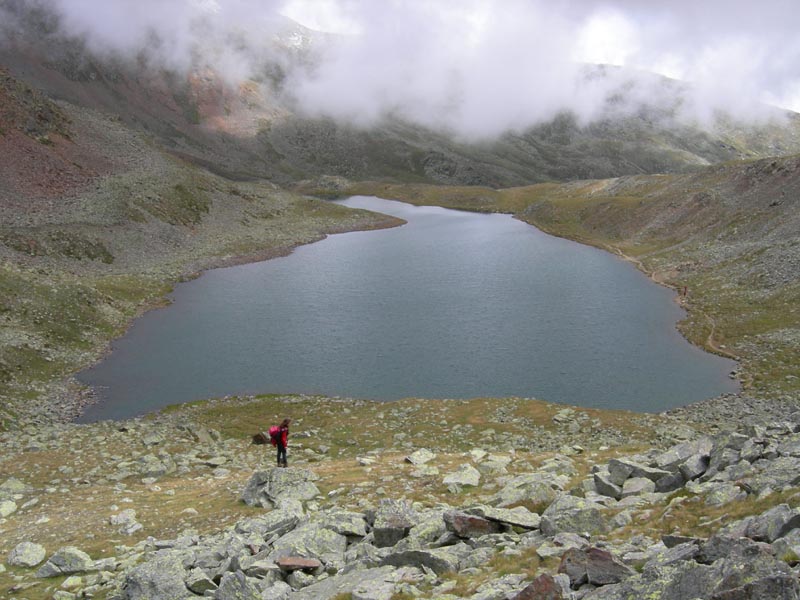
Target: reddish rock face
column 468, row 526
column 543, row 587
column 297, row 563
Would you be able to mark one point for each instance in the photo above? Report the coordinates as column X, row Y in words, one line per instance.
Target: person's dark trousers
column 281, row 455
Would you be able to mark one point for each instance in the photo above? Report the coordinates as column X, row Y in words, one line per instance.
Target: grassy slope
column 728, row 233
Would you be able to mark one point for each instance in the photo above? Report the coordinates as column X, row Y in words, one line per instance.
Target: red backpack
column 274, row 434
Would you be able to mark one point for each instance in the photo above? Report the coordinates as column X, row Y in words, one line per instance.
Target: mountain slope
column 252, row 129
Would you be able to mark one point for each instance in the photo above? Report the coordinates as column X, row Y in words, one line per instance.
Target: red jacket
column 284, row 436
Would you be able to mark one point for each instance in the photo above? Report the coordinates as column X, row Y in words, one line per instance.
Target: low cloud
column 474, row 67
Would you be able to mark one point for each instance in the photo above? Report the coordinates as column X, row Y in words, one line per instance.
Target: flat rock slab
column 518, row 516
column 420, row 457
column 297, row 563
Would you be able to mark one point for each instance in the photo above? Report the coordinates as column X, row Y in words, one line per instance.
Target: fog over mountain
column 477, row 68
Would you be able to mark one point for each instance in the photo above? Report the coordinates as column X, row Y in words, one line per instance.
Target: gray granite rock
column 519, row 516
column 159, row 578
column 198, row 582
column 345, row 583
column 605, row 486
column 7, row 508
column 438, row 560
column 636, row 486
column 393, row 520
column 237, row 586
column 693, row 467
column 572, row 514
column 680, row 552
column 672, row 459
column 536, row 488
column 420, row 457
column 66, row 561
column 593, row 566
column 466, row 474
column 310, row 541
column 266, row 488
column 350, row 524
column 26, row 554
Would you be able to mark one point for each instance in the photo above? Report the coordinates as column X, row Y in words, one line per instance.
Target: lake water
column 451, row 305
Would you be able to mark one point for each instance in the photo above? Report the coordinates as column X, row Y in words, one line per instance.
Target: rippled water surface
column 451, row 305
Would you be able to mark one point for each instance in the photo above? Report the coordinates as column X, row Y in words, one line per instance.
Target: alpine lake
column 450, row 305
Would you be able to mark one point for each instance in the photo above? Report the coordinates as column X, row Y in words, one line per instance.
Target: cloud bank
column 474, row 66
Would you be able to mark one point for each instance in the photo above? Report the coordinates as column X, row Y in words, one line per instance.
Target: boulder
column 496, row 463
column 672, row 459
column 572, row 514
column 350, row 524
column 787, row 547
column 7, row 508
column 297, row 563
column 66, row 561
column 126, row 521
column 519, row 516
column 420, row 457
column 621, row 469
column 362, row 579
column 26, row 554
column 438, row 560
column 393, row 520
column 13, row 486
column 684, row 551
column 694, row 467
column 778, row 586
column 605, row 486
column 775, row 474
column 198, row 581
column 681, row 581
column 559, row 545
column 469, row 526
column 465, row 475
column 159, row 578
column 428, row 528
column 773, row 524
column 593, row 566
column 546, row 587
column 636, row 486
column 237, row 586
column 720, row 546
column 670, row 483
column 724, row 493
column 277, row 522
column 280, row 590
column 310, row 541
column 539, row 489
column 266, row 488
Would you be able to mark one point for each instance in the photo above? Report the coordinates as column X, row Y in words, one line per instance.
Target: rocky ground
column 482, row 499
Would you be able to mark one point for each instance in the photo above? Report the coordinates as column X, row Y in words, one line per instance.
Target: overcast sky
column 479, row 66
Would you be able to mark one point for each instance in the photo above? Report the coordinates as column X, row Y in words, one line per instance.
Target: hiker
column 280, row 437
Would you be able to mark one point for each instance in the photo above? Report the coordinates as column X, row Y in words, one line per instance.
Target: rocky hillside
column 488, row 500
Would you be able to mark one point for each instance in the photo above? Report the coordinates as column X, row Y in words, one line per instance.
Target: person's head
column 285, row 422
